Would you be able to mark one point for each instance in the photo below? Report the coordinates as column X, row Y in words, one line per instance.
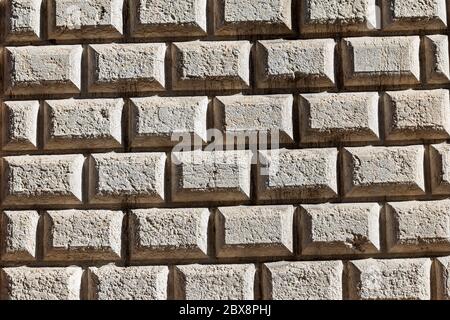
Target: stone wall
column 347, row 201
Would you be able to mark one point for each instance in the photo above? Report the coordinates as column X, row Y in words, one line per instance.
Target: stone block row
column 225, row 65
column 370, row 279
column 81, row 19
column 160, row 122
column 240, row 232
column 224, row 176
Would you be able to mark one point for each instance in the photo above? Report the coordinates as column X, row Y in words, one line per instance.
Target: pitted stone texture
column 260, row 231
column 83, row 235
column 160, row 18
column 306, row 280
column 25, row 283
column 404, row 15
column 130, row 283
column 440, row 168
column 383, row 171
column 47, row 179
column 338, row 229
column 19, row 232
column 395, row 279
column 83, row 124
column 437, row 59
column 23, row 20
column 127, row 177
column 380, row 61
column 245, row 17
column 442, row 276
column 320, row 16
column 211, row 175
column 211, row 65
column 215, row 282
column 162, row 121
column 84, row 19
column 169, row 233
column 126, row 67
column 295, row 63
column 253, row 117
column 297, row 174
column 417, row 115
column 20, row 125
column 339, row 117
column 43, row 69
column 418, row 226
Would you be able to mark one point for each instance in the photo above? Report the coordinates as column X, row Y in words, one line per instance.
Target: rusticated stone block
column 306, row 280
column 131, row 283
column 161, row 121
column 127, row 177
column 25, row 283
column 20, row 125
column 339, row 117
column 215, row 282
column 440, row 168
column 83, row 124
column 23, row 20
column 159, row 18
column 437, row 62
column 42, row 179
column 169, row 233
column 83, row 235
column 295, row 63
column 18, row 235
column 423, row 114
column 258, row 231
column 395, row 279
column 245, row 17
column 84, row 19
column 338, row 229
column 442, row 269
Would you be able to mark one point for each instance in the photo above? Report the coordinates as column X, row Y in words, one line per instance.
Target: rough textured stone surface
column 295, row 63
column 20, row 119
column 126, row 67
column 211, row 175
column 297, row 174
column 131, row 283
column 83, row 235
column 377, row 61
column 161, row 121
column 19, row 234
column 254, row 231
column 25, row 283
column 159, row 18
column 253, row 17
column 357, row 120
column 417, row 115
column 215, row 282
column 43, row 179
column 81, row 19
column 336, row 229
column 442, row 268
column 127, row 177
column 440, row 168
column 423, row 14
column 254, row 116
column 44, row 69
column 23, row 20
column 209, row 65
column 383, row 171
column 306, row 280
column 437, row 59
column 83, row 124
column 169, row 233
column 418, row 226
column 395, row 279
column 320, row 16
